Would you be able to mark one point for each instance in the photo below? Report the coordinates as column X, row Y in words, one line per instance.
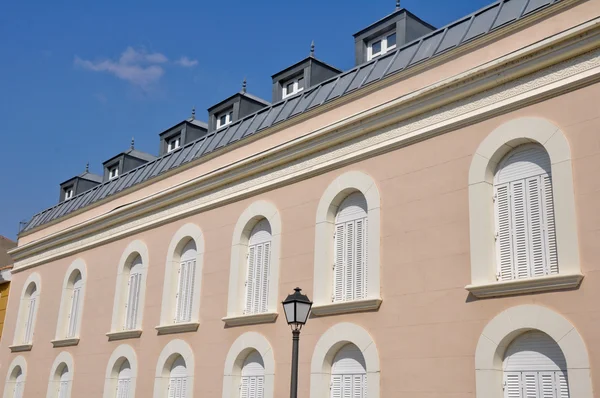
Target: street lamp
column 297, row 308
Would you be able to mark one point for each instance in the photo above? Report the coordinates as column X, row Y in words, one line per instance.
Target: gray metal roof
column 86, row 175
column 451, row 36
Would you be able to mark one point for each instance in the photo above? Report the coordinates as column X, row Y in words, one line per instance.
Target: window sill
column 177, row 328
column 124, row 334
column 523, row 286
column 20, row 347
column 345, row 307
column 65, row 342
column 251, row 319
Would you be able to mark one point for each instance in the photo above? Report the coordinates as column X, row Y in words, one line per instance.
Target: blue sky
column 77, row 81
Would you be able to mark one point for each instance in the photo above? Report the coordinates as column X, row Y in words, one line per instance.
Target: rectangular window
column 173, row 143
column 381, row 45
column 68, row 193
column 224, row 119
column 113, row 172
column 293, row 86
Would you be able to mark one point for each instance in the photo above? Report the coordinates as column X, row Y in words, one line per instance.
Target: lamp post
column 297, row 308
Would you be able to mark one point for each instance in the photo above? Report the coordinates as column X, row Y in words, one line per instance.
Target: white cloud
column 186, row 62
column 137, row 67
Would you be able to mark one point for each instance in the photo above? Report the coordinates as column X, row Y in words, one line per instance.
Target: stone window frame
column 65, row 304
column 119, row 355
column 257, row 211
column 506, row 326
column 485, row 161
column 132, row 250
column 178, row 242
column 335, row 193
column 239, row 351
column 327, row 347
column 20, row 362
column 22, row 313
column 62, row 358
column 168, row 355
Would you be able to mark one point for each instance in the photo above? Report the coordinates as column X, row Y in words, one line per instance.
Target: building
column 6, row 265
column 439, row 203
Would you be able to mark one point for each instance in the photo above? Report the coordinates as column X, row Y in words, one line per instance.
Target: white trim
column 68, row 193
column 132, row 250
column 177, row 327
column 172, row 350
column 250, row 319
column 113, row 172
column 504, row 327
column 18, row 344
column 573, row 59
column 521, row 286
column 239, row 351
column 296, row 82
column 124, row 334
column 384, row 45
column 345, row 307
column 119, row 355
column 66, row 342
column 178, row 242
column 481, row 211
column 327, row 347
column 336, row 192
column 54, row 379
column 65, row 305
column 176, row 143
column 237, row 270
column 9, row 383
column 228, row 118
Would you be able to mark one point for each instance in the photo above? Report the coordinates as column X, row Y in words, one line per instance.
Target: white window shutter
column 244, row 388
column 563, row 385
column 264, row 290
column 74, row 314
column 123, row 387
column 512, row 385
column 360, row 260
column 63, row 389
column 349, row 260
column 191, row 276
column 519, row 222
column 18, row 391
column 250, row 278
column 258, row 271
column 182, row 290
column 260, row 387
column 133, row 301
column 336, row 386
column 338, row 277
column 29, row 323
column 537, row 252
column 548, row 203
column 252, row 387
column 503, row 233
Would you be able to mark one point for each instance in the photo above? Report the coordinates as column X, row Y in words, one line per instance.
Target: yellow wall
column 4, row 288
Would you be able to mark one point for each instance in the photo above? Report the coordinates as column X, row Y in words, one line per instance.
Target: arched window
column 60, row 384
column 259, row 260
column 76, row 285
column 71, row 306
column 350, row 250
column 186, row 283
column 253, row 376
column 16, row 383
column 534, row 366
column 134, row 284
column 349, row 373
column 178, row 379
column 26, row 315
column 124, row 381
column 524, row 210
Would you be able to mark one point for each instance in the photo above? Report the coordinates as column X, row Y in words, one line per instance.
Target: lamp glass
column 302, row 310
column 290, row 312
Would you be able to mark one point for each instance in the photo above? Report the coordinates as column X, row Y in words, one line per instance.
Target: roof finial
column 312, row 49
column 397, row 5
column 87, row 167
column 132, row 143
column 193, row 112
column 244, row 86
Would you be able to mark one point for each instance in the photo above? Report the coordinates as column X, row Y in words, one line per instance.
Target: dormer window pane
column 113, row 172
column 174, row 143
column 68, row 193
column 381, row 45
column 293, row 86
column 224, row 119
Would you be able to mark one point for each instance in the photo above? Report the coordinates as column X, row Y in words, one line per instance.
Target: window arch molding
column 506, row 326
column 240, row 349
column 180, row 239
column 9, row 385
column 134, row 249
column 334, row 195
column 168, row 355
column 327, row 347
column 251, row 216
column 64, row 358
column 485, row 161
column 65, row 305
column 119, row 355
column 18, row 341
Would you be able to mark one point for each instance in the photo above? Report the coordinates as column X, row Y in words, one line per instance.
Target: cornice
column 550, row 67
column 526, row 286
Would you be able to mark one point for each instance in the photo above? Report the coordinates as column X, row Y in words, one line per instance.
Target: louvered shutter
column 520, row 238
column 250, row 278
column 360, row 260
column 338, row 277
column 133, row 301
column 182, row 292
column 258, row 271
column 260, row 387
column 18, row 390
column 336, row 386
column 259, row 261
column 191, row 276
column 264, row 290
column 63, row 389
column 349, row 261
column 123, row 387
column 550, row 232
column 512, row 385
column 74, row 314
column 30, row 317
column 504, row 234
column 563, row 385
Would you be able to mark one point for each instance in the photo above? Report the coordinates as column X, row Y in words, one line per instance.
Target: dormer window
column 381, row 45
column 68, row 193
column 224, row 118
column 293, row 86
column 113, row 172
column 173, row 143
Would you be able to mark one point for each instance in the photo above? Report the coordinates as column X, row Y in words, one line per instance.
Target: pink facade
column 428, row 328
